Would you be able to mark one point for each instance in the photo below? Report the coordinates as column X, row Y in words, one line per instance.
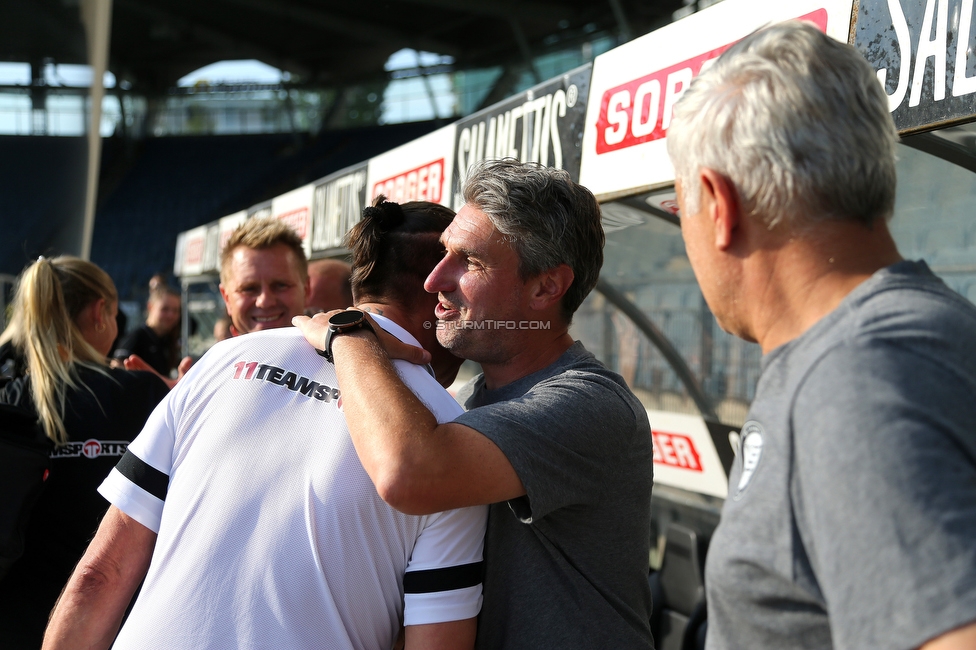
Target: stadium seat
column 678, row 591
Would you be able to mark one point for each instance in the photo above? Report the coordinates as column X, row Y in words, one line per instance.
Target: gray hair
column 547, row 218
column 799, row 124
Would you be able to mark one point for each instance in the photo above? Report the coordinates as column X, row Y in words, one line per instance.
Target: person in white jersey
column 245, row 508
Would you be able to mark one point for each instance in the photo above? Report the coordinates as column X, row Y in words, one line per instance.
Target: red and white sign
column 635, row 87
column 227, row 227
column 422, row 184
column 193, row 249
column 295, row 209
column 676, row 450
column 684, row 454
column 417, row 171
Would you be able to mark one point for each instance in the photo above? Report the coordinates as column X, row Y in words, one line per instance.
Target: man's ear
column 550, row 286
column 223, row 293
column 722, row 202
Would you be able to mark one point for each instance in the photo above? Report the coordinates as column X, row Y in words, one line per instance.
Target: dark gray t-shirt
column 566, row 565
column 851, row 516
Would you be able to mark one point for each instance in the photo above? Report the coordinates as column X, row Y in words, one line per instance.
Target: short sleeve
column 885, row 494
column 137, row 485
column 443, row 578
column 561, row 438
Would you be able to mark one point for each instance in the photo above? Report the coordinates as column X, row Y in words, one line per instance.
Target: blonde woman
column 61, row 330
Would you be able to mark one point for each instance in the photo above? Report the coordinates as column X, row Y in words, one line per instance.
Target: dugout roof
column 322, row 42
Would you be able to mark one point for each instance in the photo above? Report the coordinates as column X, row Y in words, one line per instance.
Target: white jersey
column 270, row 532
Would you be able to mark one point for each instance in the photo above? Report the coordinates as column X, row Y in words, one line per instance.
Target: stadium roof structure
column 319, row 42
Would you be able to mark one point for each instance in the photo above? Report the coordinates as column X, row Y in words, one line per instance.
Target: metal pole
column 644, row 324
column 96, row 15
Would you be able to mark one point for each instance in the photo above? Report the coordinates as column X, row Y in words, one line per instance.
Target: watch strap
column 335, row 330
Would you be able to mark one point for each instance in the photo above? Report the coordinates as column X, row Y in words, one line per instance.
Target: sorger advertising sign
column 685, row 455
column 634, row 87
column 417, row 171
column 543, row 124
column 194, row 247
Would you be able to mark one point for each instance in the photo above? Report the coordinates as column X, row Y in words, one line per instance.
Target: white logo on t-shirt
column 91, row 449
column 750, row 452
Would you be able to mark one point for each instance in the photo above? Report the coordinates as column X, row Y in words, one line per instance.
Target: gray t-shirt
column 566, row 565
column 851, row 515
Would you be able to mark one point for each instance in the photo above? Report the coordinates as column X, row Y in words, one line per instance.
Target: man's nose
column 265, row 298
column 439, row 279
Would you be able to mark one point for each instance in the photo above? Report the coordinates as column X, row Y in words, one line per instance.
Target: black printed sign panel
column 925, row 54
column 543, row 124
column 337, row 206
column 259, row 211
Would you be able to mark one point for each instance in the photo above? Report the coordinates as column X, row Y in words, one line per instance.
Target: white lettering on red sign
column 194, row 250
column 297, row 219
column 675, row 450
column 640, row 110
column 425, row 183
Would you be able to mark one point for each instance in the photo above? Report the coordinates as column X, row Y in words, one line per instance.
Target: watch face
column 346, row 318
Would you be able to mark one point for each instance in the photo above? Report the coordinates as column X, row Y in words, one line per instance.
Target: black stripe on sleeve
column 144, row 475
column 446, row 579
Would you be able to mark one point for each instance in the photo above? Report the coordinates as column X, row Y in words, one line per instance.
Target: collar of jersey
column 394, row 329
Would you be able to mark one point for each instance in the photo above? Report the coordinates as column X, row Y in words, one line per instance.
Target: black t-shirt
column 100, row 424
column 158, row 351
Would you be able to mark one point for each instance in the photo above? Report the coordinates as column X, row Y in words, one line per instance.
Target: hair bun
column 387, row 215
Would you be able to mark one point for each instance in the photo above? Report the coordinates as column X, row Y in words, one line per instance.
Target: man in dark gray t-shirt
column 567, row 561
column 850, row 521
column 557, row 444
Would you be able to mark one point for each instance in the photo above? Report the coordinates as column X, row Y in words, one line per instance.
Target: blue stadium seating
column 153, row 189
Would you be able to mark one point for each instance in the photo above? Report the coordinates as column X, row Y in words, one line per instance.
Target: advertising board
column 685, row 455
column 543, row 124
column 924, row 54
column 295, row 209
column 193, row 251
column 416, row 171
column 634, row 87
column 259, row 210
column 337, row 205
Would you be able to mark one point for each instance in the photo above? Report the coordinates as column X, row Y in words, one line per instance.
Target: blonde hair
column 261, row 233
column 49, row 297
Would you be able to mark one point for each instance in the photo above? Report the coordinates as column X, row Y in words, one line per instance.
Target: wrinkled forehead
column 472, row 232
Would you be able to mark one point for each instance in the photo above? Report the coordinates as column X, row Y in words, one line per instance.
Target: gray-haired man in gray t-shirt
column 851, row 516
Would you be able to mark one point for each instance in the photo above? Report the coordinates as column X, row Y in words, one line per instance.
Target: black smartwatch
column 341, row 323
